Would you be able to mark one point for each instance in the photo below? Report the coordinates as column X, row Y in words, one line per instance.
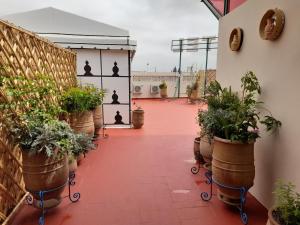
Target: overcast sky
column 153, row 23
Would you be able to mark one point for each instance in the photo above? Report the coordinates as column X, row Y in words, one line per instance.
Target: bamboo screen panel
column 26, row 54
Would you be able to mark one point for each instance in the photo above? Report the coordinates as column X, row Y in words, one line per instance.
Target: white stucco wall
column 277, row 66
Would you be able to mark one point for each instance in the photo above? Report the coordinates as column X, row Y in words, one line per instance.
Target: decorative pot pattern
column 82, row 122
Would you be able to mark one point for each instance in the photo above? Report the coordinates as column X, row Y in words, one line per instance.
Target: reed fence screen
column 23, row 53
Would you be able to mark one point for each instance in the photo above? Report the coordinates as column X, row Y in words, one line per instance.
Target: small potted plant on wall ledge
column 232, row 122
column 286, row 210
column 163, row 90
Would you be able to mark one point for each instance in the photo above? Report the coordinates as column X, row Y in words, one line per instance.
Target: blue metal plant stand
column 72, row 197
column 205, row 196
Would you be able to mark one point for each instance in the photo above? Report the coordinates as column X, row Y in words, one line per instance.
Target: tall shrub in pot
column 232, row 121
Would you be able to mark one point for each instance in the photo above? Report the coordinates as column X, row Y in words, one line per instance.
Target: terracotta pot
column 138, row 118
column 41, row 172
column 197, row 154
column 97, row 117
column 271, row 220
column 82, row 122
column 164, row 93
column 194, row 95
column 72, row 164
column 206, row 149
column 63, row 117
column 232, row 165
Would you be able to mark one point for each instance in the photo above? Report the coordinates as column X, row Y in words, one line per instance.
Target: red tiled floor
column 131, row 178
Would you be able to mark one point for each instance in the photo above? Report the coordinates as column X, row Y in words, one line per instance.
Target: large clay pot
column 82, row 122
column 97, row 117
column 63, row 117
column 206, row 149
column 271, row 220
column 164, row 92
column 233, row 166
column 138, row 118
column 43, row 173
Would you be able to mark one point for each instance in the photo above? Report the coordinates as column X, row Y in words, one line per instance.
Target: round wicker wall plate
column 272, row 24
column 236, row 39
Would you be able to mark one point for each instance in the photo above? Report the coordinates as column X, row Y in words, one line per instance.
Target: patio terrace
column 142, row 177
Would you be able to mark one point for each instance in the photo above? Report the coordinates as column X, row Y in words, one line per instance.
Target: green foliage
column 97, row 96
column 163, row 85
column 234, row 117
column 287, row 203
column 29, row 115
column 49, row 137
column 21, row 95
column 84, row 143
column 77, row 99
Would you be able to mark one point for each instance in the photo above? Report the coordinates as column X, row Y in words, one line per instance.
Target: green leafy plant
column 234, row 117
column 163, row 85
column 287, row 204
column 20, row 95
column 77, row 99
column 29, row 114
column 97, row 96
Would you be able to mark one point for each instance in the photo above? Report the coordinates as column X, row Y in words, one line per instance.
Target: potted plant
column 287, row 205
column 79, row 145
column 84, row 144
column 79, row 102
column 97, row 96
column 232, row 122
column 163, row 90
column 137, row 117
column 194, row 91
column 30, row 120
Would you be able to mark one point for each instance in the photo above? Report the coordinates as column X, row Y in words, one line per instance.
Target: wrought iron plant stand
column 72, row 197
column 206, row 196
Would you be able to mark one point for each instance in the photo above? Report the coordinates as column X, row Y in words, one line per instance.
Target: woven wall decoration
column 23, row 53
column 236, row 39
column 272, row 24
